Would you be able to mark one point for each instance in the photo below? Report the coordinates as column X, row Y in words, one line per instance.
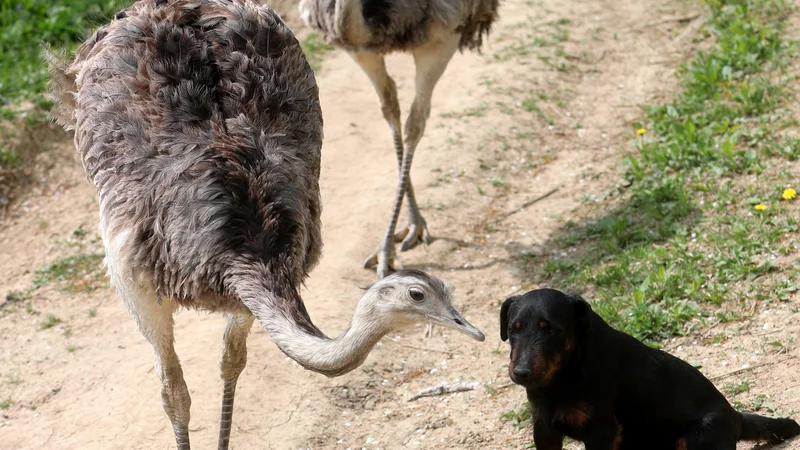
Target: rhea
column 198, row 122
column 432, row 31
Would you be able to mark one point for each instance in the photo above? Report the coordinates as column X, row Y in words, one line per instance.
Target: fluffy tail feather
column 477, row 24
column 760, row 428
column 351, row 28
column 61, row 88
column 341, row 22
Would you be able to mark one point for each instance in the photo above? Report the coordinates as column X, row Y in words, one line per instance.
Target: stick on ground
column 445, row 388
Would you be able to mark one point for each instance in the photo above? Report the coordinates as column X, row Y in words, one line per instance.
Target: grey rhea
column 432, row 31
column 198, row 122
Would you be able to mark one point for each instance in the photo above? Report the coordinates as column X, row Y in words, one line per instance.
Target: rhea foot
column 415, row 233
column 384, row 259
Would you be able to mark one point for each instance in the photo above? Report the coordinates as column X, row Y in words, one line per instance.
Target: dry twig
column 746, row 369
column 529, row 203
column 445, row 388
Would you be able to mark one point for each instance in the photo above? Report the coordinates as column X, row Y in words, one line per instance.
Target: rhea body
column 198, row 122
column 432, row 31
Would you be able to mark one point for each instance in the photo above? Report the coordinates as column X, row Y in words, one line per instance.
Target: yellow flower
column 789, row 194
column 641, row 131
column 761, row 207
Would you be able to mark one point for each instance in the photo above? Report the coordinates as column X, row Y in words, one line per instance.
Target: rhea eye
column 416, row 294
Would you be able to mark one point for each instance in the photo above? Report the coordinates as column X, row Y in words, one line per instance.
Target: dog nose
column 521, row 373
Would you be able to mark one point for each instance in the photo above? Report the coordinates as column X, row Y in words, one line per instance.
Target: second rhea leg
column 233, row 360
column 374, row 66
column 431, row 60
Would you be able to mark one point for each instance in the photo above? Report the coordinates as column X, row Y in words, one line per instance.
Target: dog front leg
column 604, row 434
column 545, row 437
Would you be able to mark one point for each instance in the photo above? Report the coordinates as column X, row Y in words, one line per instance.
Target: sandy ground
column 88, row 382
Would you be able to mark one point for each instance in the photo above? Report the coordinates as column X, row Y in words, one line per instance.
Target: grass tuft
column 315, row 49
column 519, row 418
column 78, row 273
column 50, row 322
column 26, row 23
column 731, row 389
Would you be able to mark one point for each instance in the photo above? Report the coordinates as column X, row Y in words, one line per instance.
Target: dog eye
column 548, row 328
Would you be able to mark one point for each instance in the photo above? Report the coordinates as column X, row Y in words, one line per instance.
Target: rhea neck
column 316, row 352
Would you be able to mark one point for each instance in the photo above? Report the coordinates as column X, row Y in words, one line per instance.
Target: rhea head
column 411, row 296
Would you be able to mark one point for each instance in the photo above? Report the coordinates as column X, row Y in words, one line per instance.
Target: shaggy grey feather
column 400, row 25
column 199, row 123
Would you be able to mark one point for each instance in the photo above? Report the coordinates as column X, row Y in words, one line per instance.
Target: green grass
column 760, row 404
column 78, row 273
column 9, row 159
column 543, row 40
column 5, row 404
column 519, row 418
column 731, row 389
column 50, row 322
column 14, row 379
column 26, row 23
column 315, row 49
column 685, row 236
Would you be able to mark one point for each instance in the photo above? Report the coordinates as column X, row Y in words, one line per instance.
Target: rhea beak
column 453, row 319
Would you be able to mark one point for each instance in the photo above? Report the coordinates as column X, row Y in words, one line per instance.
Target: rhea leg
column 154, row 320
column 233, row 360
column 174, row 393
column 431, row 61
column 374, row 66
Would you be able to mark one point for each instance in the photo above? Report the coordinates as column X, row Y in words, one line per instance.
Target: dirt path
column 507, row 126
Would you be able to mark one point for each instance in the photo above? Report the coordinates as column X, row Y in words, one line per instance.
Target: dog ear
column 583, row 314
column 504, row 316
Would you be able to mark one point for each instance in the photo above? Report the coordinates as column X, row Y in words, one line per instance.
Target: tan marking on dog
column 681, row 444
column 577, row 416
column 517, row 325
column 511, row 363
column 552, row 368
column 538, row 363
column 543, row 324
column 568, row 345
column 618, row 439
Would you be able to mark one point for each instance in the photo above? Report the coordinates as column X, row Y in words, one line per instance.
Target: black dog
column 598, row 385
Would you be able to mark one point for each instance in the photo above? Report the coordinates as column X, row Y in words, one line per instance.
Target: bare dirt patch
column 549, row 105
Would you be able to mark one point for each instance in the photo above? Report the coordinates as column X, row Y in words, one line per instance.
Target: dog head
column 546, row 328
